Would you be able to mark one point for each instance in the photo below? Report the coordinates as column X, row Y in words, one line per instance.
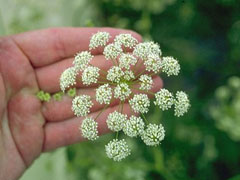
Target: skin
column 32, row 61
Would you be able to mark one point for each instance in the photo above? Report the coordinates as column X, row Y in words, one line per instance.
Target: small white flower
column 104, row 94
column 99, row 39
column 68, row 78
column 81, row 105
column 114, row 74
column 153, row 63
column 140, row 103
column 134, row 126
column 90, row 75
column 116, row 120
column 146, row 82
column 170, row 66
column 112, row 51
column 82, row 60
column 182, row 103
column 164, row 99
column 122, row 91
column 126, row 60
column 89, row 128
column 128, row 75
column 153, row 135
column 117, row 149
column 142, row 50
column 126, row 40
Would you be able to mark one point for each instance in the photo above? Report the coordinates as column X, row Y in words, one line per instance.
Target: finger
column 48, row 76
column 61, row 110
column 64, row 133
column 44, row 47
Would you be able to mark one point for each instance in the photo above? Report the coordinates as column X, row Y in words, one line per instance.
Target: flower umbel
column 126, row 83
column 89, row 128
column 117, row 149
column 81, row 105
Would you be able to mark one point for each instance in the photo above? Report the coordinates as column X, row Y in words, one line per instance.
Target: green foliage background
column 205, row 36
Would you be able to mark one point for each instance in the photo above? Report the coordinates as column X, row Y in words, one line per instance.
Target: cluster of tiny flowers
column 153, row 134
column 182, row 103
column 146, row 82
column 117, row 149
column 116, row 120
column 128, row 81
column 104, row 94
column 89, row 128
column 90, row 75
column 82, row 60
column 81, row 105
column 140, row 103
column 134, row 126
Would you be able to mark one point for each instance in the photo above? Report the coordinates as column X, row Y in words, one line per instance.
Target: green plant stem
column 145, row 119
column 101, row 111
column 117, row 133
column 149, row 92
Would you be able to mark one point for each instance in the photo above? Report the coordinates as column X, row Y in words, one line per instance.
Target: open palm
column 33, row 61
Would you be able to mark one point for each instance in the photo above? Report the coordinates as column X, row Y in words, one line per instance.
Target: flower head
column 104, row 94
column 164, row 99
column 153, row 135
column 170, row 66
column 182, row 103
column 116, row 120
column 82, row 60
column 122, row 91
column 126, row 60
column 140, row 103
column 68, row 78
column 126, row 40
column 81, row 105
column 142, row 50
column 90, row 75
column 117, row 149
column 89, row 128
column 115, row 74
column 134, row 126
column 153, row 63
column 146, row 82
column 128, row 75
column 99, row 39
column 112, row 51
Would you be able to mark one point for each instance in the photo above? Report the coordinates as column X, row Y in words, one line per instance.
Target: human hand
column 33, row 61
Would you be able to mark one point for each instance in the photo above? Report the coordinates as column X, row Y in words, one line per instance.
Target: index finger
column 44, row 47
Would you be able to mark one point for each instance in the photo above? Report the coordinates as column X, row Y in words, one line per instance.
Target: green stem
column 121, row 107
column 145, row 119
column 117, row 135
column 101, row 111
column 149, row 92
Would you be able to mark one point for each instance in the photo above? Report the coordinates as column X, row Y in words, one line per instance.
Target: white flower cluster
column 68, row 78
column 89, row 128
column 104, row 94
column 117, row 149
column 116, row 120
column 82, row 60
column 182, row 103
column 140, row 103
column 128, row 80
column 90, row 75
column 99, row 39
column 81, row 105
column 153, row 135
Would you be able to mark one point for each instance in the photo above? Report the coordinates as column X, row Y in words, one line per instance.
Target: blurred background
column 204, row 35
